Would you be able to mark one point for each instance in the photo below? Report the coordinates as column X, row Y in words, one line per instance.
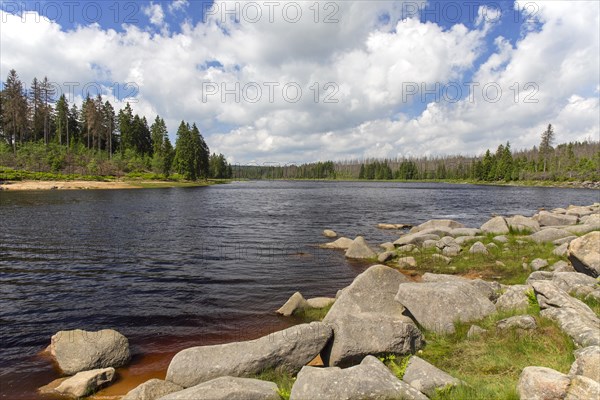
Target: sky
column 301, row 81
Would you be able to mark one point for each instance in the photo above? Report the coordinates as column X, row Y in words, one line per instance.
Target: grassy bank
column 134, row 180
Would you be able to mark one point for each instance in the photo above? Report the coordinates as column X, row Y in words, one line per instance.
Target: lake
column 172, row 268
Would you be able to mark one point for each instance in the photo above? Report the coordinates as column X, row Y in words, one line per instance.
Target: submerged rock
column 295, row 302
column 86, row 382
column 80, row 350
column 360, row 249
column 329, row 233
column 341, row 244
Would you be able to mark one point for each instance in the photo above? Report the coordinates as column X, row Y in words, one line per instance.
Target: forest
column 573, row 161
column 41, row 133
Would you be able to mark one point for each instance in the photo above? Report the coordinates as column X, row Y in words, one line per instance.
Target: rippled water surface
column 176, row 267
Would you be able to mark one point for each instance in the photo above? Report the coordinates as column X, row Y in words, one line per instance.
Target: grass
column 511, row 256
column 282, row 378
column 144, row 180
column 490, row 364
column 591, row 303
column 396, row 365
column 9, row 174
column 312, row 314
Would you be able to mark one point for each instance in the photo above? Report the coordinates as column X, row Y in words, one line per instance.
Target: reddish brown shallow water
column 151, row 358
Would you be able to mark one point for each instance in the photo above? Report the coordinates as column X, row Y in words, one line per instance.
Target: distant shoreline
column 83, row 184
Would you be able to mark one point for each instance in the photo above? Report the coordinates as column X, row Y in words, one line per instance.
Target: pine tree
column 15, row 108
column 126, row 129
column 546, row 144
column 62, row 120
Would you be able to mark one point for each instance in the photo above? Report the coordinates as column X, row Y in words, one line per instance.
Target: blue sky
column 306, row 81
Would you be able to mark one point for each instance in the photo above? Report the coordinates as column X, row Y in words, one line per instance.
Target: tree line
column 568, row 161
column 42, row 133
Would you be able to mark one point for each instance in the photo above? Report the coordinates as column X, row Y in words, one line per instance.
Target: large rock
column 546, row 218
column 572, row 315
column 582, row 229
column 152, row 390
column 437, row 305
column 369, row 380
column 587, row 363
column 488, row 289
column 514, row 298
column 437, row 223
column 367, row 320
column 465, row 232
column 584, row 254
column 579, row 211
column 575, row 282
column 295, row 303
column 360, row 249
column 289, row 349
column 583, row 388
column 540, row 383
column 495, row 225
column 228, row 388
column 521, row 223
column 549, row 235
column 342, row 243
column 80, row 350
column 427, row 378
column 415, row 238
column 86, row 382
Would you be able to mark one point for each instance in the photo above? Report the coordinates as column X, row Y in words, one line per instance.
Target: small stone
column 478, row 248
column 525, row 322
column 385, row 256
column 407, row 262
column 501, row 239
column 475, row 331
column 329, row 233
column 538, row 264
column 439, row 257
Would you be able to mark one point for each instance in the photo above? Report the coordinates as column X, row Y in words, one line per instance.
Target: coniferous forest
column 42, row 133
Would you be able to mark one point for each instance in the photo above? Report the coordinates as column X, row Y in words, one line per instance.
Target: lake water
column 173, row 268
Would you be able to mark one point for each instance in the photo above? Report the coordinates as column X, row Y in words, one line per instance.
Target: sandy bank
column 65, row 185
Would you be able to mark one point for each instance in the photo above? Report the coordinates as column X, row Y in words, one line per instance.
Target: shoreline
column 83, row 184
column 35, row 185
